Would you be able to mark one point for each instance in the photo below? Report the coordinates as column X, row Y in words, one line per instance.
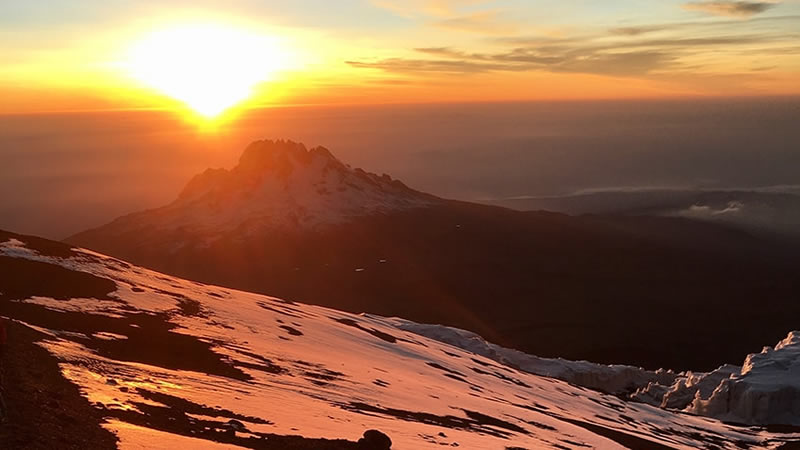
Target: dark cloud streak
column 731, row 8
column 636, row 31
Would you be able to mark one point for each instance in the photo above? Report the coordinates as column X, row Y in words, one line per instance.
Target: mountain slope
column 276, row 184
column 655, row 292
column 181, row 363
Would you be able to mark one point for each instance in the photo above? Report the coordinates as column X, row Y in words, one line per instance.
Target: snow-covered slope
column 764, row 391
column 613, row 379
column 168, row 360
column 276, row 184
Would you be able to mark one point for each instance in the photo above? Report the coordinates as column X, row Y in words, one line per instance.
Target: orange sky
column 62, row 58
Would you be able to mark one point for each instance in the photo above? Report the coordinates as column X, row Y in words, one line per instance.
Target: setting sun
column 210, row 68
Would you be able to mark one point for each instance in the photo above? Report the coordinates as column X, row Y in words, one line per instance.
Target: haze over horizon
column 91, row 168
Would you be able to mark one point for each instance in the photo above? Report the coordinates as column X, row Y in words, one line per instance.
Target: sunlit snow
column 291, row 369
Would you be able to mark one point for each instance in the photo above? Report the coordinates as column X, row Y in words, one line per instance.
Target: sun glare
column 210, row 68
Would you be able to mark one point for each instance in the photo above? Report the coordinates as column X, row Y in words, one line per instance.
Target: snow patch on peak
column 280, row 158
column 278, row 184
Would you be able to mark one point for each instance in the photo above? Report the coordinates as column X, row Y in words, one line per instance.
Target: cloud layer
column 731, row 8
column 657, row 49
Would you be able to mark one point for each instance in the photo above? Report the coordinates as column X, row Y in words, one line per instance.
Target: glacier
column 765, row 390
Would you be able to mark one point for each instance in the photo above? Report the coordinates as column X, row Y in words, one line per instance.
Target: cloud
column 636, row 31
column 731, row 8
column 655, row 50
column 520, row 60
column 629, row 58
column 702, row 211
column 668, row 42
column 406, row 65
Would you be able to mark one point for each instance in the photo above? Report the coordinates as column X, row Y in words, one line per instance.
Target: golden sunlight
column 210, row 68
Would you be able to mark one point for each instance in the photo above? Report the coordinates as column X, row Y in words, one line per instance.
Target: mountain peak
column 282, row 182
column 281, row 157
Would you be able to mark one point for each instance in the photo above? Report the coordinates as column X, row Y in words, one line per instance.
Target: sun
column 210, row 68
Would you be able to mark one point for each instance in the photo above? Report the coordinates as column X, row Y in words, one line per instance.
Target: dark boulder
column 235, row 425
column 374, row 440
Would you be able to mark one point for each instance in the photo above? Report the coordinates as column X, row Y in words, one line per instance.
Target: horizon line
column 665, row 99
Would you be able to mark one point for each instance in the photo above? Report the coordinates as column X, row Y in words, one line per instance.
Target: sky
column 67, row 55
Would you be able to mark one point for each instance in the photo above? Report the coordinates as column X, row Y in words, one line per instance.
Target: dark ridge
column 43, row 246
column 39, row 408
column 61, row 283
